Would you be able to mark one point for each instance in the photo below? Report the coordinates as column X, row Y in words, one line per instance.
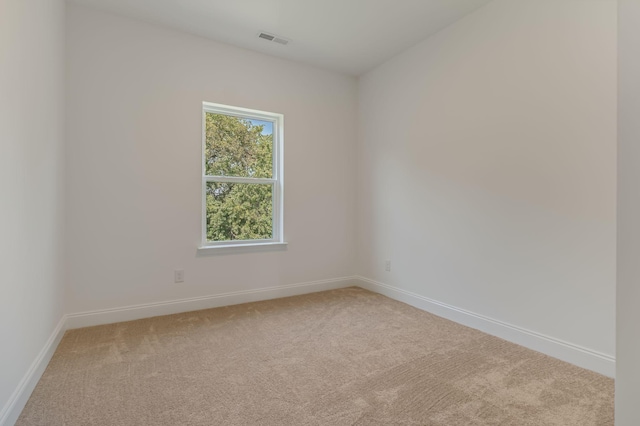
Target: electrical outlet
column 178, row 275
column 387, row 265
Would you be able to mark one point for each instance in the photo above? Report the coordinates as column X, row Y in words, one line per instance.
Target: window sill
column 241, row 248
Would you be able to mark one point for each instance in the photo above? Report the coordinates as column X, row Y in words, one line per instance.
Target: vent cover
column 273, row 38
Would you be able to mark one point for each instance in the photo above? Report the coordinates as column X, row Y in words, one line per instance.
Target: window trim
column 277, row 180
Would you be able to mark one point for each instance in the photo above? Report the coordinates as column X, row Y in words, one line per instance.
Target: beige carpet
column 342, row 357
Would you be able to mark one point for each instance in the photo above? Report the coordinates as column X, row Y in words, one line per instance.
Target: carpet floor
column 341, row 357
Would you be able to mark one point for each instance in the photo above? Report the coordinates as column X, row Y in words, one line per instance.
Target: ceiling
column 349, row 36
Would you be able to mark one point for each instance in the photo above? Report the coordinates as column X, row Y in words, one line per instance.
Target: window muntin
column 242, row 176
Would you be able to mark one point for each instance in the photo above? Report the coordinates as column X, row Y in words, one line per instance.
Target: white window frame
column 276, row 181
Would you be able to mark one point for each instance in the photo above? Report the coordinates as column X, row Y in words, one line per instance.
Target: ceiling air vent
column 273, row 38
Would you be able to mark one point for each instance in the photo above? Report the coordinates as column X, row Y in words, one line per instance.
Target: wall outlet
column 178, row 275
column 387, row 265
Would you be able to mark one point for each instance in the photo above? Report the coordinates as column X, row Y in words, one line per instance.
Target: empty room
column 305, row 212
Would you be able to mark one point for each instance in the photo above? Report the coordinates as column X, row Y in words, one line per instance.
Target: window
column 242, row 177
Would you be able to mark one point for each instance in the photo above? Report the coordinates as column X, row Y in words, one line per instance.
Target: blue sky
column 268, row 126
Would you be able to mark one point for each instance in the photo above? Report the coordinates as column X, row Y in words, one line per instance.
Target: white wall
column 31, row 184
column 488, row 168
column 133, row 163
column 628, row 290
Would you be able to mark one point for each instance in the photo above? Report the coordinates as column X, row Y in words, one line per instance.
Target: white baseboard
column 11, row 411
column 134, row 312
column 565, row 351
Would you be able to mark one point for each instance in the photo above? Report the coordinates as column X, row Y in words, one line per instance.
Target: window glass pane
column 239, row 211
column 238, row 147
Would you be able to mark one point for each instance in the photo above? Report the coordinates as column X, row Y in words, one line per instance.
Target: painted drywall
column 487, row 158
column 628, row 290
column 134, row 104
column 31, row 184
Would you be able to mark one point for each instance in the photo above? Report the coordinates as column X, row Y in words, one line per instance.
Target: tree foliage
column 236, row 147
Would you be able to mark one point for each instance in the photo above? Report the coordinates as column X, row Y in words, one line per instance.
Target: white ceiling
column 350, row 36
